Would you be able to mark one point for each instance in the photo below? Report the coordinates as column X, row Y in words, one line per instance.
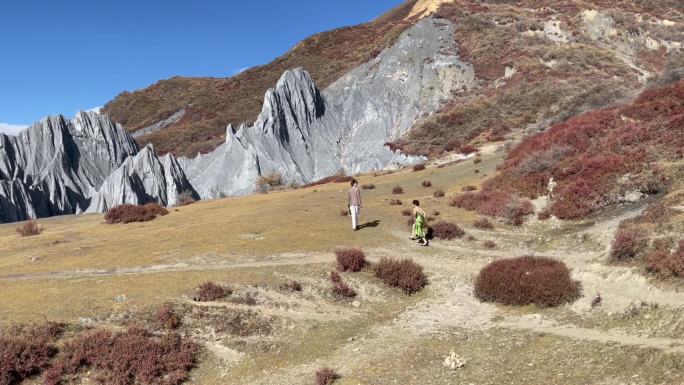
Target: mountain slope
column 202, row 107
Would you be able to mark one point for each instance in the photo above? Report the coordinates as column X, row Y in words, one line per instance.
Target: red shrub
column 495, row 204
column 438, row 193
column 126, row 358
column 343, row 290
column 395, row 202
column 544, row 215
column 330, row 179
column 167, row 317
column 467, row 149
column 489, row 244
column 350, row 259
column 419, row 167
column 483, row 223
column 326, row 376
column 369, row 186
column 209, row 291
column 335, row 276
column 406, row 212
column 626, row 245
column 397, row 190
column 477, row 160
column 446, row 230
column 29, row 228
column 404, row 274
column 526, row 280
column 667, row 264
column 25, row 353
column 344, row 212
column 134, row 213
column 426, row 183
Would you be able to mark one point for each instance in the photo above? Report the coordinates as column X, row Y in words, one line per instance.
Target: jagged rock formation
column 140, row 179
column 56, row 166
column 304, row 134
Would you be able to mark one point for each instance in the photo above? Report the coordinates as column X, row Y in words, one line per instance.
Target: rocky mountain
column 57, row 166
column 305, row 134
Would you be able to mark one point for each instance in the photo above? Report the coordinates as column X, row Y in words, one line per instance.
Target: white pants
column 354, row 211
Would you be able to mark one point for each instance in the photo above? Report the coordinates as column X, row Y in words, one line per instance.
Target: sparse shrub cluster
column 134, row 356
column 268, row 182
column 368, row 186
column 419, row 167
column 167, row 317
column 404, row 274
column 438, row 193
column 526, row 280
column 626, row 245
column 25, row 353
column 350, row 259
column 209, row 291
column 395, row 202
column 326, row 376
column 128, row 213
column 495, row 204
column 446, row 230
column 397, row 190
column 29, row 228
column 290, row 286
column 340, row 288
column 484, row 224
column 426, row 183
column 665, row 263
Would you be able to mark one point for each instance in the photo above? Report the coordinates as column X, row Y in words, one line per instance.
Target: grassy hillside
column 212, row 103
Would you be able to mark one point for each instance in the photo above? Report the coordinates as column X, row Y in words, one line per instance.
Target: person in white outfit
column 354, row 203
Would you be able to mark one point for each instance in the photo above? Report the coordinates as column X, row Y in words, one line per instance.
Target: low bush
column 419, row 167
column 495, row 204
column 330, row 179
column 344, row 212
column 350, row 259
column 436, row 213
column 397, row 190
column 343, row 290
column 666, row 264
column 468, row 188
column 526, row 280
column 128, row 213
column 185, row 198
column 468, row 149
column 484, row 224
column 626, row 245
column 404, row 274
column 477, row 160
column 248, row 299
column 406, row 212
column 489, row 244
column 446, row 230
column 25, row 353
column 369, row 186
column 166, row 317
column 29, row 228
column 426, row 183
column 290, row 286
column 131, row 357
column 438, row 193
column 395, row 202
column 335, row 276
column 268, row 182
column 544, row 215
column 326, row 376
column 209, row 291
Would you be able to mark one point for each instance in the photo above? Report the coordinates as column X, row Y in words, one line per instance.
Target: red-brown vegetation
column 446, row 230
column 326, row 376
column 626, row 245
column 495, row 204
column 350, row 259
column 330, row 179
column 526, row 280
column 404, row 274
column 395, row 202
column 368, row 186
column 665, row 263
column 426, row 183
column 167, row 317
column 483, row 223
column 419, row 167
column 24, row 353
column 397, row 190
column 209, row 291
column 131, row 357
column 438, row 193
column 29, row 228
column 406, row 212
column 128, row 213
column 343, row 290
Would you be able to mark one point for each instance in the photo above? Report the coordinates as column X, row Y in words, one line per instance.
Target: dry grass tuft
column 29, row 228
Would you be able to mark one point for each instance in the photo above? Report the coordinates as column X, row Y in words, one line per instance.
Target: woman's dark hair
column 354, row 181
column 416, row 202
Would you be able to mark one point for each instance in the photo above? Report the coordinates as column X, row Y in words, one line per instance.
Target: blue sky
column 64, row 56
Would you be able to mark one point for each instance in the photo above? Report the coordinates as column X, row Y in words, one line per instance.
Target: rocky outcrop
column 304, row 134
column 57, row 166
column 141, row 179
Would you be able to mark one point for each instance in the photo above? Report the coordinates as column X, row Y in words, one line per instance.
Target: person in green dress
column 419, row 226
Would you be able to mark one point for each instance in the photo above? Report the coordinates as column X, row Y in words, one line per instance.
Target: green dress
column 419, row 226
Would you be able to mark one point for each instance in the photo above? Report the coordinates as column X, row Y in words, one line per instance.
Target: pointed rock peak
column 230, row 131
column 296, row 77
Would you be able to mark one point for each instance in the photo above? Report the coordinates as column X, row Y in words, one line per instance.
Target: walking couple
column 419, row 226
